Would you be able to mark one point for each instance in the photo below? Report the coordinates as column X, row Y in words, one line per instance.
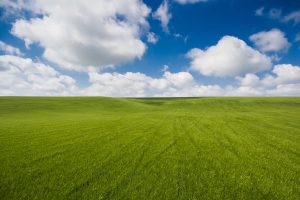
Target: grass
column 111, row 148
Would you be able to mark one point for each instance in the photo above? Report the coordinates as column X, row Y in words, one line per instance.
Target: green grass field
column 184, row 148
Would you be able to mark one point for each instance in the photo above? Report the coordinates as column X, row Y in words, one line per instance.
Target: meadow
column 157, row 148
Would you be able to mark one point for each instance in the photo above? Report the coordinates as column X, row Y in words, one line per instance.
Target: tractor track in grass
column 159, row 155
column 198, row 149
column 265, row 141
column 226, row 144
column 127, row 178
column 270, row 141
column 235, row 153
column 71, row 141
column 252, row 123
column 96, row 176
column 179, row 138
column 70, row 150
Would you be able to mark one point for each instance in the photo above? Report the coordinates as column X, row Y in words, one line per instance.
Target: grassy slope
column 104, row 148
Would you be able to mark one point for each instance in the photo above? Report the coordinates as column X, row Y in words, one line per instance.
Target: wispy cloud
column 8, row 49
column 190, row 1
column 152, row 38
column 293, row 17
column 163, row 15
column 277, row 14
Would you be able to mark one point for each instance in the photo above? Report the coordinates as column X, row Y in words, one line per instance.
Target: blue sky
column 199, row 48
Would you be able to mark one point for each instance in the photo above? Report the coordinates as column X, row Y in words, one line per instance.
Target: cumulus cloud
column 152, row 38
column 283, row 81
column 229, row 57
column 138, row 84
column 248, row 80
column 96, row 33
column 270, row 41
column 8, row 49
column 285, row 90
column 286, row 74
column 189, row 1
column 163, row 15
column 22, row 76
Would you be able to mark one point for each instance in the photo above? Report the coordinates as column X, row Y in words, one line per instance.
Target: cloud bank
column 23, row 76
column 97, row 33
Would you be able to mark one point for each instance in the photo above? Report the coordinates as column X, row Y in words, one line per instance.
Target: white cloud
column 179, row 36
column 138, row 84
column 243, row 91
column 270, row 41
column 259, row 11
column 248, row 80
column 229, row 57
column 286, row 90
column 13, row 7
column 284, row 81
column 80, row 34
column 276, row 14
column 286, row 73
column 114, row 84
column 273, row 13
column 165, row 68
column 152, row 38
column 21, row 76
column 8, row 49
column 163, row 15
column 180, row 79
column 293, row 16
column 197, row 90
column 189, row 1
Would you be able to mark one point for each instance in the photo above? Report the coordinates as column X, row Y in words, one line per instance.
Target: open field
column 110, row 148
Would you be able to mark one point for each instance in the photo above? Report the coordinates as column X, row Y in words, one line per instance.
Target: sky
column 150, row 48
